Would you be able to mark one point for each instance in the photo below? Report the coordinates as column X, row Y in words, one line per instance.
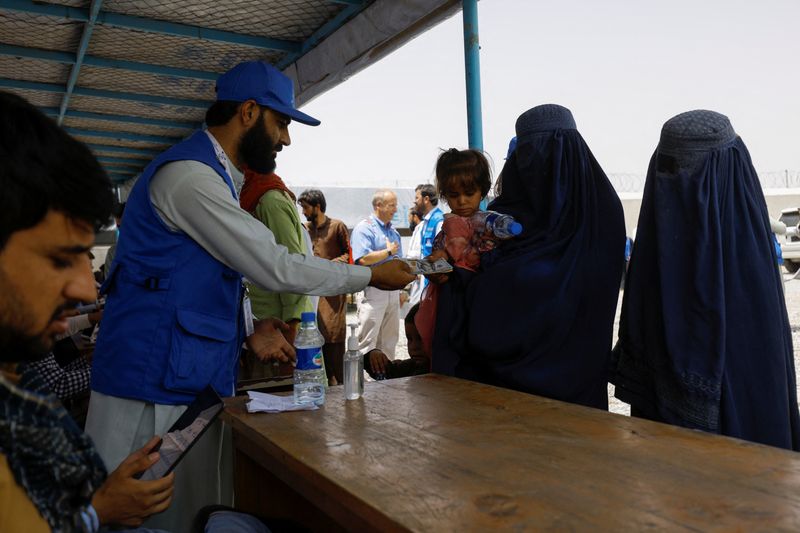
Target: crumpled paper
column 261, row 402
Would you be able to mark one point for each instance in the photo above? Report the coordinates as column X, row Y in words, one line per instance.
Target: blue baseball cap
column 268, row 86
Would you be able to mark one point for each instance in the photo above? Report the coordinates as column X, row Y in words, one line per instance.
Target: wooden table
column 433, row 453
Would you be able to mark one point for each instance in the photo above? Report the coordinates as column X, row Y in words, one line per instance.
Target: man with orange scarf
column 268, row 199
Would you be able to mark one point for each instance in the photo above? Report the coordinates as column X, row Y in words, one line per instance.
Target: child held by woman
column 463, row 179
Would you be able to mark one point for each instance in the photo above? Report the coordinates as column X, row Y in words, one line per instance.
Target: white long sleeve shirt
column 190, row 197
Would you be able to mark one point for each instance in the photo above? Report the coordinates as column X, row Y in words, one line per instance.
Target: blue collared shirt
column 370, row 235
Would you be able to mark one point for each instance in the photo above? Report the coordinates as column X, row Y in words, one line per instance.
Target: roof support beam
column 53, row 111
column 94, row 9
column 83, row 91
column 93, row 61
column 324, row 31
column 150, row 25
column 123, row 135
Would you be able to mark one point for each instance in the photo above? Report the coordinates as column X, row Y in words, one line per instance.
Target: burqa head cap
column 695, row 131
column 547, row 117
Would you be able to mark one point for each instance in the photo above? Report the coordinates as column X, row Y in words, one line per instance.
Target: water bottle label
column 309, row 358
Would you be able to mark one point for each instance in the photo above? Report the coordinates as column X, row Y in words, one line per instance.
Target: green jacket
column 277, row 211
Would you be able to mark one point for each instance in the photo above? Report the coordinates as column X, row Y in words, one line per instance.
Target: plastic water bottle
column 353, row 367
column 309, row 374
column 501, row 226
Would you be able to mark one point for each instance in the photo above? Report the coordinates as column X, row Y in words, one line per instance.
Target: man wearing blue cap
column 176, row 315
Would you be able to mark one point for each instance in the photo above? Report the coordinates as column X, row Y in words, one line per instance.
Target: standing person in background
column 374, row 242
column 426, row 203
column 269, row 200
column 415, row 252
column 414, row 221
column 330, row 240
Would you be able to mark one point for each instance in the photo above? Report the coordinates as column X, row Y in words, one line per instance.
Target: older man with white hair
column 375, row 241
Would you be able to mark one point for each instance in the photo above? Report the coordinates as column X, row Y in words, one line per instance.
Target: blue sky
column 623, row 67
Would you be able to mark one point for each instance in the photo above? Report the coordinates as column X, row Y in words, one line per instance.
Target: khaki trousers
column 379, row 319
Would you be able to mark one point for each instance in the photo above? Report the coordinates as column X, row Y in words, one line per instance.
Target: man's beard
column 256, row 148
column 16, row 346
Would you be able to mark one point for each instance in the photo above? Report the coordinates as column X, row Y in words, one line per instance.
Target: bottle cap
column 515, row 228
column 308, row 317
column 352, row 341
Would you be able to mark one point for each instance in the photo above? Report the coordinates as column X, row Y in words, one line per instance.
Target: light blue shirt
column 370, row 235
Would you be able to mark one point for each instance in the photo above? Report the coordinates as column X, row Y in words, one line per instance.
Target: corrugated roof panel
column 146, row 158
column 71, row 3
column 138, row 82
column 38, row 98
column 107, row 125
column 168, row 50
column 143, row 52
column 139, row 109
column 39, row 31
column 33, row 70
column 281, row 19
column 110, row 141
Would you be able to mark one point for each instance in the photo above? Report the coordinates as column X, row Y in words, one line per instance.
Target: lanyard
column 221, row 156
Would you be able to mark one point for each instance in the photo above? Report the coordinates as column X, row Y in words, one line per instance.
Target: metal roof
column 131, row 77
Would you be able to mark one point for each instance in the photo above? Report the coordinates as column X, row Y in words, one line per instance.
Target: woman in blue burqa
column 538, row 315
column 704, row 337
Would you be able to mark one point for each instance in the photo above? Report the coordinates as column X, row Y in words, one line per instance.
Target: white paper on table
column 261, row 402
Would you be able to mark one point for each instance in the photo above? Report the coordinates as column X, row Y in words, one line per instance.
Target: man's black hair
column 42, row 168
column 313, row 197
column 221, row 112
column 428, row 190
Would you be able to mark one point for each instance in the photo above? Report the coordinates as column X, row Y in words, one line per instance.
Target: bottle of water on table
column 309, row 374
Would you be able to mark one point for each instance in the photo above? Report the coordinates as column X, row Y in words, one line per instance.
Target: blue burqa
column 538, row 316
column 704, row 337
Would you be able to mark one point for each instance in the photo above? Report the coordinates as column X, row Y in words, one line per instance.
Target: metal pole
column 472, row 67
column 94, row 10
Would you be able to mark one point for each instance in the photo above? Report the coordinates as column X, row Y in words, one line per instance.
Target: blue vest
column 429, row 231
column 172, row 323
